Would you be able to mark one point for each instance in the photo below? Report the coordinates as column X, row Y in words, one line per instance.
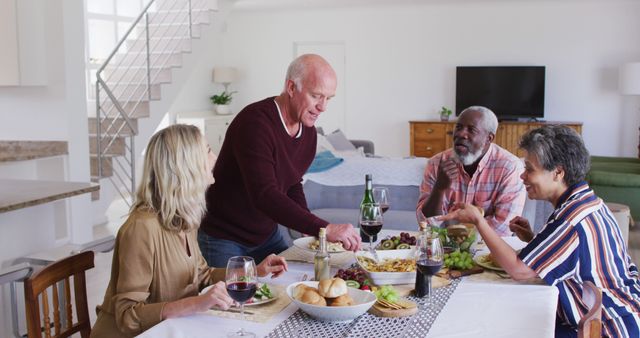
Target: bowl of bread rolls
column 330, row 299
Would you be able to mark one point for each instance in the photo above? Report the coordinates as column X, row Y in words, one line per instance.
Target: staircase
column 130, row 82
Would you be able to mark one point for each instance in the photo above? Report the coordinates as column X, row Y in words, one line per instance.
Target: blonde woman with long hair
column 157, row 269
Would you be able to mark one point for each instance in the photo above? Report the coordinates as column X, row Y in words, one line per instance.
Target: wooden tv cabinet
column 428, row 138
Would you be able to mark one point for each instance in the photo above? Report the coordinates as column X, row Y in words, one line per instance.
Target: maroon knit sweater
column 258, row 179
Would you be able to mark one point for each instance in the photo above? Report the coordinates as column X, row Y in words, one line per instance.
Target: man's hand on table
column 344, row 233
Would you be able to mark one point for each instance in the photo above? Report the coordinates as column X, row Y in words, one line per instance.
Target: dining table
column 480, row 305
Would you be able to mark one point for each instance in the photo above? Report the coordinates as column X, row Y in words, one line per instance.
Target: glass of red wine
column 381, row 195
column 241, row 278
column 429, row 256
column 371, row 222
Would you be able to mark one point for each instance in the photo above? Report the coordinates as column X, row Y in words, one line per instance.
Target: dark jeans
column 218, row 251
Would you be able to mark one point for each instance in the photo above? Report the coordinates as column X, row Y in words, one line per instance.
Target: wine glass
column 371, row 222
column 241, row 278
column 381, row 195
column 429, row 257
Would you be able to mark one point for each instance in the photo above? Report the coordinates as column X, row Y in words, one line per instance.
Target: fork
column 304, row 277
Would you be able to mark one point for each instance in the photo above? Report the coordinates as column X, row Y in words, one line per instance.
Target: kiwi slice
column 352, row 284
column 403, row 246
column 388, row 244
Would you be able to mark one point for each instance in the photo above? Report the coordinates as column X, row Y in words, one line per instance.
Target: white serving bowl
column 382, row 278
column 363, row 300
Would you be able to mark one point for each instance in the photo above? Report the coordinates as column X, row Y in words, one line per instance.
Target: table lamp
column 630, row 82
column 224, row 75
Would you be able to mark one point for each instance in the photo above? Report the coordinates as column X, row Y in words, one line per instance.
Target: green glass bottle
column 367, row 198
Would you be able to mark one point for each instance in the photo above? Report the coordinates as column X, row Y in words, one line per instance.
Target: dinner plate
column 254, row 300
column 485, row 262
column 305, row 242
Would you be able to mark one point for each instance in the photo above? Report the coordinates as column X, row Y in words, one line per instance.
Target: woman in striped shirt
column 580, row 242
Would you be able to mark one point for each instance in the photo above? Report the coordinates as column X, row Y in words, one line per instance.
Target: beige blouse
column 150, row 268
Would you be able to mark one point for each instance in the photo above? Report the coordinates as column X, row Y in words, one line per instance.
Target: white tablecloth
column 479, row 307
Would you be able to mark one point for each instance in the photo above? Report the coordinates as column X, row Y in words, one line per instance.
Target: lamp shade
column 224, row 74
column 630, row 78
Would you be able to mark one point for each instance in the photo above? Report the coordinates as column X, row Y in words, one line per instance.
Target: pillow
column 323, row 144
column 339, row 141
column 359, row 152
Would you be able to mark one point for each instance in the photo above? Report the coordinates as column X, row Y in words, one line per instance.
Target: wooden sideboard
column 428, row 138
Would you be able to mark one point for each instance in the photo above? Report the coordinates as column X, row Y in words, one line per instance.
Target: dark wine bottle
column 367, row 198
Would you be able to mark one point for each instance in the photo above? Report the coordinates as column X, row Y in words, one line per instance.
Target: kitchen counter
column 18, row 194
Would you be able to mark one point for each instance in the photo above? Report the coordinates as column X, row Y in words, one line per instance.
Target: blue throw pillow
column 323, row 161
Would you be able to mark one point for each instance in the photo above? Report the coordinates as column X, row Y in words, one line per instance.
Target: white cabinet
column 212, row 126
column 22, row 37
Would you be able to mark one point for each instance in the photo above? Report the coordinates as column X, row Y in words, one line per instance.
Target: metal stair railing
column 120, row 100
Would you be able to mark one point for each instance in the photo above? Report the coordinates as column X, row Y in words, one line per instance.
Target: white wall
column 56, row 111
column 401, row 59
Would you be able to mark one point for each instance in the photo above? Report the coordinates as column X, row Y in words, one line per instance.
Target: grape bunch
column 403, row 242
column 355, row 274
column 460, row 260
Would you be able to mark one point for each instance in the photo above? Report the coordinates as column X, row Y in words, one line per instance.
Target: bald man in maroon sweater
column 258, row 174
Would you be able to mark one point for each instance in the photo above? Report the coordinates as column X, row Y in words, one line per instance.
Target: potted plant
column 222, row 101
column 445, row 113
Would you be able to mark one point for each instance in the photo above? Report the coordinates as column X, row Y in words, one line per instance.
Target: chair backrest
column 36, row 294
column 590, row 325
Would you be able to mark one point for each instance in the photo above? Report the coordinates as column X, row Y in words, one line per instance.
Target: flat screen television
column 512, row 92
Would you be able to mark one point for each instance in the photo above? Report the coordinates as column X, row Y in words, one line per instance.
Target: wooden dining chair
column 36, row 294
column 590, row 325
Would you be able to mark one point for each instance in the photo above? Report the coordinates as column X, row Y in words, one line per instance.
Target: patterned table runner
column 300, row 324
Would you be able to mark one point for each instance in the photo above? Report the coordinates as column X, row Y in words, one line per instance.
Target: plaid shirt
column 495, row 186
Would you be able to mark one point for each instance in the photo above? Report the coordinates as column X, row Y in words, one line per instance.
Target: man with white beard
column 475, row 171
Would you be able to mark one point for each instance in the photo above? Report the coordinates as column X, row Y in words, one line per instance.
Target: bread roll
column 344, row 300
column 332, row 288
column 311, row 296
column 299, row 290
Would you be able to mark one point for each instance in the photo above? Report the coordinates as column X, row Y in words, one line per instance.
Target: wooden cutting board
column 451, row 274
column 382, row 311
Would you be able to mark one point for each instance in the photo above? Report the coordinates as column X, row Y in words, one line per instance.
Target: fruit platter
column 355, row 277
column 404, row 241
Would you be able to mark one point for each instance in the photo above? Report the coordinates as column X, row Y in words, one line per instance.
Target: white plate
column 381, row 278
column 485, row 262
column 363, row 300
column 304, row 243
column 255, row 301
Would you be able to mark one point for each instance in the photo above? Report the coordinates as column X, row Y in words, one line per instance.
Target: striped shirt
column 495, row 186
column 582, row 242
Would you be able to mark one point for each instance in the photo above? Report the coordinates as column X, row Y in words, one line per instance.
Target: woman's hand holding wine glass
column 216, row 296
